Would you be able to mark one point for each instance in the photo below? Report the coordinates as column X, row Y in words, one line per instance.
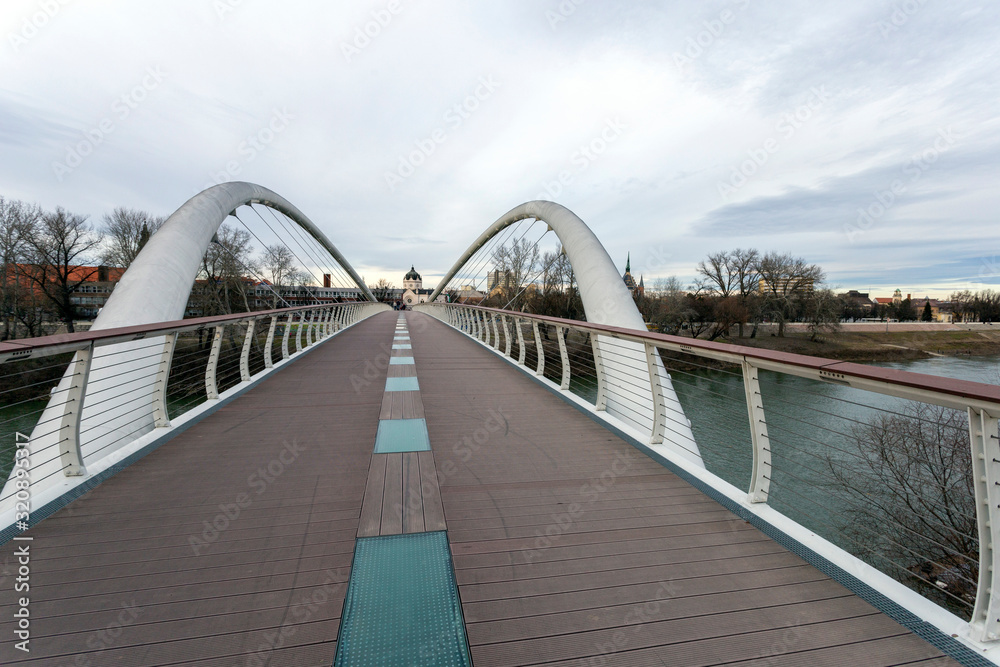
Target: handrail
column 23, row 348
column 829, row 370
column 980, row 401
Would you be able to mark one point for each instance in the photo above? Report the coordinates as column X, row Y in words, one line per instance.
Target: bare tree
column 224, row 270
column 513, row 265
column 16, row 219
column 717, row 275
column 126, row 231
column 784, row 280
column 822, row 310
column 911, row 503
column 278, row 264
column 57, row 246
column 382, row 291
column 745, row 265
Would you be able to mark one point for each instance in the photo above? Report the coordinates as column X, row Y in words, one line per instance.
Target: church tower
column 412, row 280
column 629, row 280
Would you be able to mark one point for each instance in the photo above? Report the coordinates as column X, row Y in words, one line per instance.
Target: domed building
column 413, row 288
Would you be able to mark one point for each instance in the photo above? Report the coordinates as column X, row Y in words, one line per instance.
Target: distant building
column 95, row 285
column 630, row 281
column 859, row 300
column 940, row 310
column 413, row 288
column 498, row 278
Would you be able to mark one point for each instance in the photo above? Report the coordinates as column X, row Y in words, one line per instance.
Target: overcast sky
column 861, row 135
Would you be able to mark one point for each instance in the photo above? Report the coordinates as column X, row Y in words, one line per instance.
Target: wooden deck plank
column 433, row 509
column 413, row 505
column 371, row 510
column 392, row 499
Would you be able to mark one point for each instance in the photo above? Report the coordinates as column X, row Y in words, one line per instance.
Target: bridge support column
column 985, row 623
column 298, row 332
column 564, row 357
column 161, row 416
column 760, row 479
column 656, row 386
column 245, row 352
column 506, row 335
column 601, row 402
column 69, row 427
column 540, row 366
column 286, row 335
column 269, row 345
column 521, row 350
column 211, row 386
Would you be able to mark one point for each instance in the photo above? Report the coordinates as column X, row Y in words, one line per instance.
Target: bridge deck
column 569, row 546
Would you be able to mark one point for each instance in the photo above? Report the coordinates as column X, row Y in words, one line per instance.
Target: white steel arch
column 607, row 301
column 155, row 288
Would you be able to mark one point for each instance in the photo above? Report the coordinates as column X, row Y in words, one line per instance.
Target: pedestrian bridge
column 433, row 487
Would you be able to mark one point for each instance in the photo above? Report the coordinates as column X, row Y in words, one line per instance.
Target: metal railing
column 73, row 405
column 899, row 469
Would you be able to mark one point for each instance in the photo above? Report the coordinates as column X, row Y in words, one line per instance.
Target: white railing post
column 656, row 386
column 69, row 427
column 310, row 327
column 477, row 330
column 601, row 402
column 245, row 352
column 161, row 416
column 298, row 331
column 985, row 623
column 269, row 345
column 564, row 357
column 211, row 384
column 496, row 336
column 327, row 322
column 286, row 335
column 540, row 366
column 486, row 329
column 521, row 349
column 760, row 478
column 506, row 335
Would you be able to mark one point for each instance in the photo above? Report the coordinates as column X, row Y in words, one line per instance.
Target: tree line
column 734, row 288
column 47, row 255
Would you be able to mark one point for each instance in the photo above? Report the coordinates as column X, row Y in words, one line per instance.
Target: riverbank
column 874, row 344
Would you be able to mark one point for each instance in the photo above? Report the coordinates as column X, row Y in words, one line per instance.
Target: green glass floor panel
column 402, row 384
column 402, row 607
column 400, row 361
column 402, row 435
column 402, row 346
